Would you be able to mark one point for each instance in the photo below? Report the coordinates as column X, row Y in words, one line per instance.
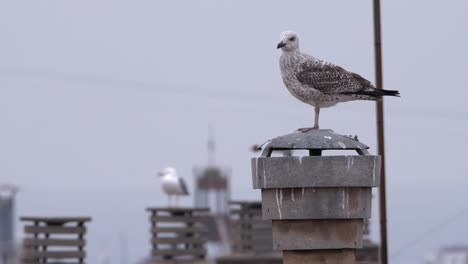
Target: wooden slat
column 253, row 221
column 54, row 229
column 31, row 261
column 245, row 203
column 53, row 254
column 255, row 239
column 254, row 244
column 265, row 246
column 178, row 240
column 246, row 211
column 253, row 247
column 257, row 232
column 260, row 244
column 252, row 225
column 177, row 209
column 256, row 250
column 56, row 219
column 179, row 230
column 258, row 219
column 180, row 252
column 30, row 242
column 251, row 228
column 178, row 219
column 252, row 239
column 259, row 240
column 250, row 236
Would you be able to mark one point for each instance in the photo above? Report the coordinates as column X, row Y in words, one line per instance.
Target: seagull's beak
column 280, row 45
column 160, row 173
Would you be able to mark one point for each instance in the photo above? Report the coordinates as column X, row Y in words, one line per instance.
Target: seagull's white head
column 167, row 171
column 289, row 41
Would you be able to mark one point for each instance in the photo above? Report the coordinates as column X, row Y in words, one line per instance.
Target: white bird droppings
column 281, row 197
column 278, row 205
column 341, row 144
column 343, row 200
column 373, row 170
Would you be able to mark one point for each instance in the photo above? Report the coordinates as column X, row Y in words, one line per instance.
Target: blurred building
column 212, row 190
column 449, row 255
column 8, row 248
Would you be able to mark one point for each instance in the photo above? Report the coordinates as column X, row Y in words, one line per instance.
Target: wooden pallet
column 54, row 239
column 249, row 232
column 178, row 233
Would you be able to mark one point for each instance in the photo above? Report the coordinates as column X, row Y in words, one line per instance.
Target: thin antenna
column 211, row 146
column 380, row 135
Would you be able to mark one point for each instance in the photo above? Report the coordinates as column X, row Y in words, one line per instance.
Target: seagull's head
column 289, row 41
column 167, row 171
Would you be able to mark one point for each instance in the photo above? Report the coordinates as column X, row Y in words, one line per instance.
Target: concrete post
column 316, row 203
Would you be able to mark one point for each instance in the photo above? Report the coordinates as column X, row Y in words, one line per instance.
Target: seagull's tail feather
column 389, row 92
column 376, row 93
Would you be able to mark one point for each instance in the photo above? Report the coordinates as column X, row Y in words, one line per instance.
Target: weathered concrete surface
column 319, row 257
column 368, row 254
column 316, row 203
column 317, row 234
column 314, row 139
column 316, row 171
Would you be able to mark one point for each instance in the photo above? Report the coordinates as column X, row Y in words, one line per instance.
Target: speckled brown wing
column 327, row 78
column 365, row 84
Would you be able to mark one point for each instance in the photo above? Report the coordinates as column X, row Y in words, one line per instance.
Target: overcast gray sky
column 95, row 96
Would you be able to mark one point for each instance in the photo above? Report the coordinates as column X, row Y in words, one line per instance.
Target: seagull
column 320, row 83
column 173, row 184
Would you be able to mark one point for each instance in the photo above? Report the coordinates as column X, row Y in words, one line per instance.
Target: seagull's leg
column 169, row 199
column 177, row 200
column 317, row 113
column 316, row 124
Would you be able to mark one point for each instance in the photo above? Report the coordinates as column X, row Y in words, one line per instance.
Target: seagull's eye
column 292, row 38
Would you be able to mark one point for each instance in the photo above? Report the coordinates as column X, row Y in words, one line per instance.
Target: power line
column 123, row 83
column 195, row 92
column 430, row 231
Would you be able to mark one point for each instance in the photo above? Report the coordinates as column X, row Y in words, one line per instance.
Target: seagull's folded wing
column 183, row 186
column 328, row 78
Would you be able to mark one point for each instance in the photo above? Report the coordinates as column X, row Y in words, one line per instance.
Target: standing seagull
column 320, row 83
column 173, row 184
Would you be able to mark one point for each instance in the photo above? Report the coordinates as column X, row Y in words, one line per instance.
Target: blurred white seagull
column 173, row 184
column 320, row 83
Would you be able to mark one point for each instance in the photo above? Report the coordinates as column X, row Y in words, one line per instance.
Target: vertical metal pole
column 380, row 135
